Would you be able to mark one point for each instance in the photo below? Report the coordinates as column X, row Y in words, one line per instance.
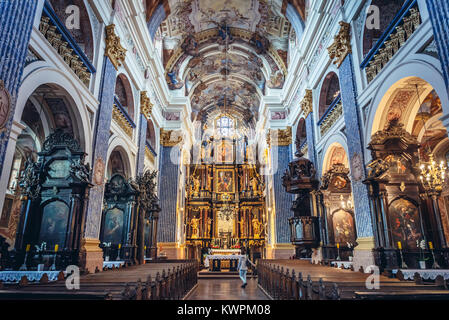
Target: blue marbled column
column 16, row 22
column 168, row 191
column 283, row 200
column 142, row 144
column 100, row 149
column 439, row 15
column 355, row 147
column 311, row 139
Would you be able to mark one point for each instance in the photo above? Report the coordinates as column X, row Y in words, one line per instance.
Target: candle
column 338, row 246
column 56, row 247
column 28, row 247
column 119, row 245
column 430, row 245
column 399, row 245
column 145, row 247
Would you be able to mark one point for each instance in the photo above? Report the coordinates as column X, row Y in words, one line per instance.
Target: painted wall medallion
column 99, row 172
column 357, row 167
column 5, row 105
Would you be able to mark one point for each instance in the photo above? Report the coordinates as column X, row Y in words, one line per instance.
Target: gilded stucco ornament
column 170, row 138
column 280, row 137
column 307, row 103
column 114, row 50
column 342, row 44
column 146, row 106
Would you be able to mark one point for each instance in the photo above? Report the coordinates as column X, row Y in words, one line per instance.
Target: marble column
column 281, row 153
column 169, row 166
column 91, row 256
column 439, row 15
column 17, row 18
column 340, row 51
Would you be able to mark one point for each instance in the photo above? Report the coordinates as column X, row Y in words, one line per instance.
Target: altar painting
column 225, row 181
column 343, row 227
column 113, row 226
column 405, row 223
column 54, row 224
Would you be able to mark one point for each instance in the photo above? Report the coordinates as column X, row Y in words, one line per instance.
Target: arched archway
column 330, row 91
column 118, row 163
column 335, row 154
column 49, row 108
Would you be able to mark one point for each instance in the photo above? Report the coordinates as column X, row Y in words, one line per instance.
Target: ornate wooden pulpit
column 300, row 179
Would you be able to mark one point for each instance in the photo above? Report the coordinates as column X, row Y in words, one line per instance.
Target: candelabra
column 432, row 176
column 432, row 180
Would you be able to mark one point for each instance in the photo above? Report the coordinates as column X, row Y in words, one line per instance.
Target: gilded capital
column 114, row 50
column 280, row 137
column 342, row 44
column 307, row 103
column 170, row 138
column 145, row 105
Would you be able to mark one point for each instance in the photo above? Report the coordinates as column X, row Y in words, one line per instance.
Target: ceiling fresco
column 232, row 48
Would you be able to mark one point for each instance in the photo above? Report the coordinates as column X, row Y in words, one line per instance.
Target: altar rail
column 281, row 285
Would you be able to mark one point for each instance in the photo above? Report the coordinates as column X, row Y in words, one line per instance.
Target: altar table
column 217, row 260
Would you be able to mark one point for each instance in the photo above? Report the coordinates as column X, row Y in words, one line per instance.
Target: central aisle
column 227, row 289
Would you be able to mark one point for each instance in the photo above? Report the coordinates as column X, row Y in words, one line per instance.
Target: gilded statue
column 256, row 227
column 242, row 227
column 195, row 225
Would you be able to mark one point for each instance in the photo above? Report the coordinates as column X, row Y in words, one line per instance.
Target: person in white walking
column 243, row 267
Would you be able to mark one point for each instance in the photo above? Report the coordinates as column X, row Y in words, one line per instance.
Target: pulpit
column 300, row 179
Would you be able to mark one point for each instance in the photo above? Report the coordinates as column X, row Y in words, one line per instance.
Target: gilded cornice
column 280, row 137
column 307, row 103
column 114, row 50
column 342, row 44
column 146, row 106
column 170, row 138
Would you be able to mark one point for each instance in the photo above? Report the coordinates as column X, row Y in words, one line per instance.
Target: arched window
column 329, row 92
column 124, row 94
column 224, row 126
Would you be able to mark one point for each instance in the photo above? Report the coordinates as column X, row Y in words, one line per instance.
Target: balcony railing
column 404, row 24
column 61, row 40
column 332, row 114
column 120, row 115
column 151, row 149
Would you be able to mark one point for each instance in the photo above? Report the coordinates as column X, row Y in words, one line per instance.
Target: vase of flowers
column 422, row 258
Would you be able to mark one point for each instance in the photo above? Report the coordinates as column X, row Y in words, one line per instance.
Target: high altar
column 225, row 201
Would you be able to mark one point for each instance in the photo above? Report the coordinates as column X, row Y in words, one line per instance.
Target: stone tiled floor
column 227, row 289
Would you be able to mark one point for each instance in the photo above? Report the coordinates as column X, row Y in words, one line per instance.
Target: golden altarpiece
column 225, row 206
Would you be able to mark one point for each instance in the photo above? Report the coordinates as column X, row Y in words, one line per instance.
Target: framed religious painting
column 224, row 151
column 225, row 181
